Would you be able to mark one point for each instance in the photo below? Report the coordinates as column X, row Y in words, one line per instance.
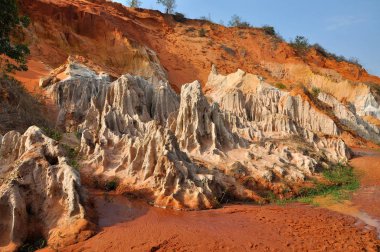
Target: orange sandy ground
column 295, row 227
column 367, row 198
column 30, row 79
column 134, row 226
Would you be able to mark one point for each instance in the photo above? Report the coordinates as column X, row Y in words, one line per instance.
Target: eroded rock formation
column 189, row 151
column 242, row 138
column 40, row 193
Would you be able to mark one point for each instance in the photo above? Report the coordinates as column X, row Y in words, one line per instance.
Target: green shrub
column 30, row 246
column 301, row 45
column 13, row 52
column 280, row 86
column 78, row 135
column 229, row 50
column 134, row 3
column 202, row 32
column 338, row 58
column 72, row 156
column 269, row 30
column 236, row 21
column 321, row 50
column 53, row 133
column 179, row 17
column 206, row 19
column 111, row 185
column 340, row 181
column 315, row 91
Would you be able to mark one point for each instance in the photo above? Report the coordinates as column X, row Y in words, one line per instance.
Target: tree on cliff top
column 236, row 21
column 169, row 5
column 134, row 3
column 12, row 53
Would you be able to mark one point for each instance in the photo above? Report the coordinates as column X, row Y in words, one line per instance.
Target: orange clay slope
column 120, row 39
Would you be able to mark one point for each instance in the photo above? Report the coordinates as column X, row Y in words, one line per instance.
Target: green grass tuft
column 72, row 156
column 340, row 182
column 53, row 133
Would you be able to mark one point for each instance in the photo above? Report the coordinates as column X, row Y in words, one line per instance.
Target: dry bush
column 18, row 109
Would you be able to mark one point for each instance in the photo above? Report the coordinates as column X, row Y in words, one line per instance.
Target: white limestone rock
column 39, row 192
column 367, row 105
column 183, row 150
column 350, row 119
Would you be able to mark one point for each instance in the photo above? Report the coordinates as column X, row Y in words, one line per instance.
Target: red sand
column 134, row 226
column 30, row 79
column 367, row 198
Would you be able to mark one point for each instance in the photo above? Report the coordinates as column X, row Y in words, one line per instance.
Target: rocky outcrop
column 268, row 108
column 40, row 193
column 367, row 105
column 199, row 125
column 350, row 119
column 191, row 150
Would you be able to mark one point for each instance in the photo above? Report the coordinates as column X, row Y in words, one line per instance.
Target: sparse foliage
column 72, row 155
column 269, row 30
column 315, row 91
column 168, row 4
column 300, row 44
column 204, row 18
column 12, row 53
column 34, row 245
column 280, row 85
column 179, row 17
column 229, row 50
column 236, row 21
column 52, row 133
column 202, row 32
column 338, row 58
column 134, row 3
column 111, row 185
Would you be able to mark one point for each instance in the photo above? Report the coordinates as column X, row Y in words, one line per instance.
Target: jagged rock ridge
column 185, row 150
column 40, row 193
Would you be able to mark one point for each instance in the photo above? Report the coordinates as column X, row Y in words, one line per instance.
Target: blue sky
column 345, row 27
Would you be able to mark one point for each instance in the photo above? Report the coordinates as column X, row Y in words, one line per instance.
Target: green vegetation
column 72, row 156
column 78, row 135
column 168, row 4
column 18, row 108
column 13, row 53
column 134, row 3
column 52, row 133
column 269, row 30
column 207, row 19
column 236, row 21
column 202, row 32
column 179, row 17
column 315, row 91
column 228, row 50
column 32, row 246
column 280, row 86
column 302, row 46
column 340, row 181
column 111, row 185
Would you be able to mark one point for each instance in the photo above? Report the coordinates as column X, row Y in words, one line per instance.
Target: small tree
column 169, row 5
column 236, row 21
column 134, row 3
column 300, row 44
column 12, row 54
column 269, row 30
